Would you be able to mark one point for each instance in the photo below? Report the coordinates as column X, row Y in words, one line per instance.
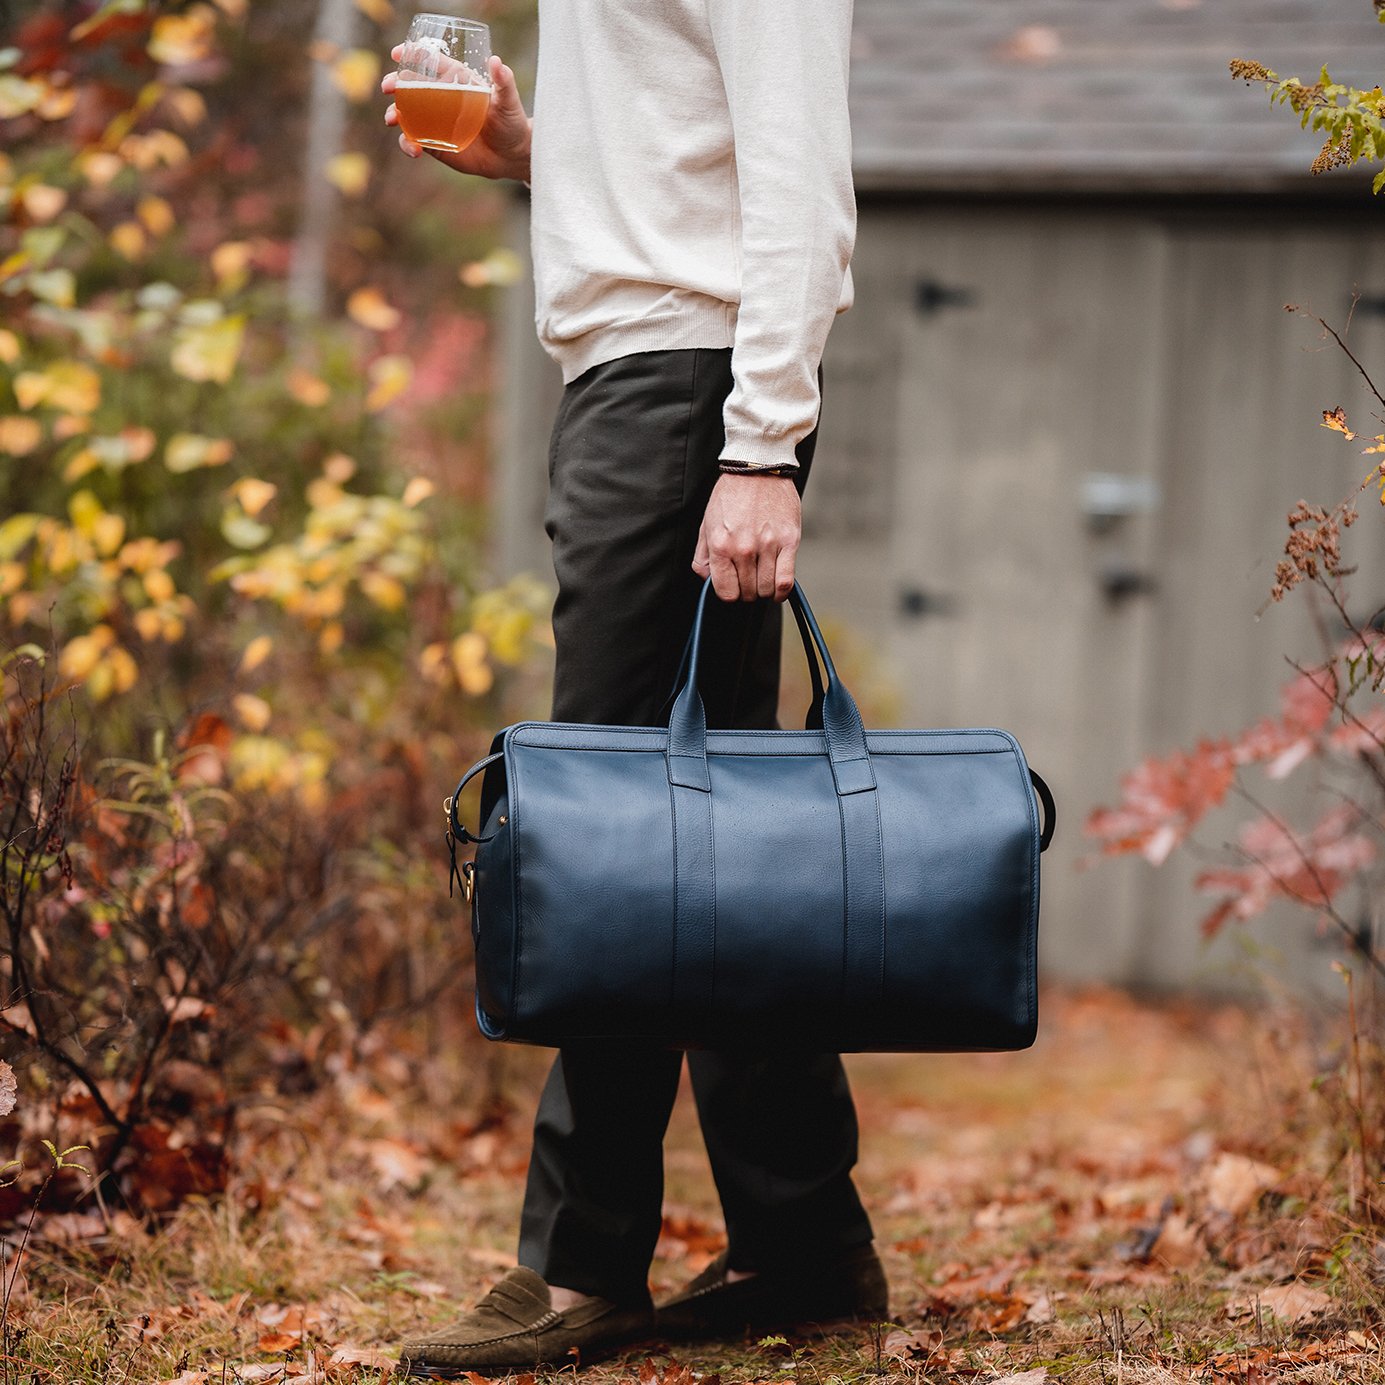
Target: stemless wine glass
column 444, row 87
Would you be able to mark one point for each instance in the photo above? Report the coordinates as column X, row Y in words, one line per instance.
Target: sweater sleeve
column 785, row 66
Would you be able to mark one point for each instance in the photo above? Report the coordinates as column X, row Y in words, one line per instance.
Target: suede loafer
column 516, row 1327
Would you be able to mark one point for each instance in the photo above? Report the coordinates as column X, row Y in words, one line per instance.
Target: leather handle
column 811, row 722
column 842, row 727
column 1050, row 811
column 450, row 805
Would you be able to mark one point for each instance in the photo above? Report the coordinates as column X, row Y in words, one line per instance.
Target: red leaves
column 1163, row 800
column 1282, row 864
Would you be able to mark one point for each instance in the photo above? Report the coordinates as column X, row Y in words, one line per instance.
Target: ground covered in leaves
column 1154, row 1193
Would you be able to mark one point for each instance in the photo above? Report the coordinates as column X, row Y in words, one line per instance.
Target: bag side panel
column 961, row 853
column 493, row 924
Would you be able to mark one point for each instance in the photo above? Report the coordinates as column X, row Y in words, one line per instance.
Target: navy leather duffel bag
column 833, row 889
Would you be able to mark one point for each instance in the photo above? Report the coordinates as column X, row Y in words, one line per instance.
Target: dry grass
column 1055, row 1210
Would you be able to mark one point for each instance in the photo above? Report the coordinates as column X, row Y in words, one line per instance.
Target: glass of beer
column 444, row 88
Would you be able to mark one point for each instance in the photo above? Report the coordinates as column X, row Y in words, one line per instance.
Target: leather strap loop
column 462, row 835
column 694, row 906
column 863, row 905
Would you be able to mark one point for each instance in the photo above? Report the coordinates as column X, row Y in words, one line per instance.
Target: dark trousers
column 632, row 464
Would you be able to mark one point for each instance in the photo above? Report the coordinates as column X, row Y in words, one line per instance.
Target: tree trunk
column 338, row 24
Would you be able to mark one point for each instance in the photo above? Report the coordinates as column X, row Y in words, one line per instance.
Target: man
column 693, row 220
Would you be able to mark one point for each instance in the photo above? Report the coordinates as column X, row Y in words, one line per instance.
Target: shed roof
column 1099, row 95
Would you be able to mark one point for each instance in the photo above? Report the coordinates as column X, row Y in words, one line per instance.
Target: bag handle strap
column 457, row 835
column 842, row 727
column 1050, row 811
column 813, row 720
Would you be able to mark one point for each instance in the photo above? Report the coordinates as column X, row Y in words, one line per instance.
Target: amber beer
column 441, row 115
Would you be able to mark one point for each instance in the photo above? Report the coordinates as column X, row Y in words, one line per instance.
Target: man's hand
column 501, row 150
column 749, row 537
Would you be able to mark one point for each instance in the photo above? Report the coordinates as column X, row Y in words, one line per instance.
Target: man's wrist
column 746, row 469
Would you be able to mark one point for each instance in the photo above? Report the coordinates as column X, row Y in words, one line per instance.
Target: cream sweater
column 692, row 188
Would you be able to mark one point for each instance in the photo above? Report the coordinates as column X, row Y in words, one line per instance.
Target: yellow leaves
column 368, row 307
column 252, row 495
column 19, row 95
column 177, row 39
column 42, row 202
column 164, row 622
column 231, row 263
column 512, row 619
column 389, row 377
column 1336, row 419
column 324, row 492
column 349, row 173
column 209, row 350
column 417, row 491
column 187, row 104
column 92, row 521
column 67, row 385
column 56, row 103
column 339, row 468
column 356, row 74
column 127, row 240
column 99, row 166
column 252, row 712
column 156, row 215
column 386, row 592
column 381, row 11
column 94, row 21
column 145, row 554
column 96, row 660
column 463, row 661
column 158, row 585
column 191, row 451
column 147, row 151
column 19, row 435
column 126, row 448
column 307, row 388
column 9, row 346
column 263, row 763
column 15, row 532
column 501, row 268
column 241, row 531
column 256, row 652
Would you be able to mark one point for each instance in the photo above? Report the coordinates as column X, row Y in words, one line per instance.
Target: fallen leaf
column 905, row 1346
column 1292, row 1304
column 1034, row 1377
column 1234, row 1183
column 364, row 1356
column 1179, row 1244
column 397, row 1164
column 275, row 1343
